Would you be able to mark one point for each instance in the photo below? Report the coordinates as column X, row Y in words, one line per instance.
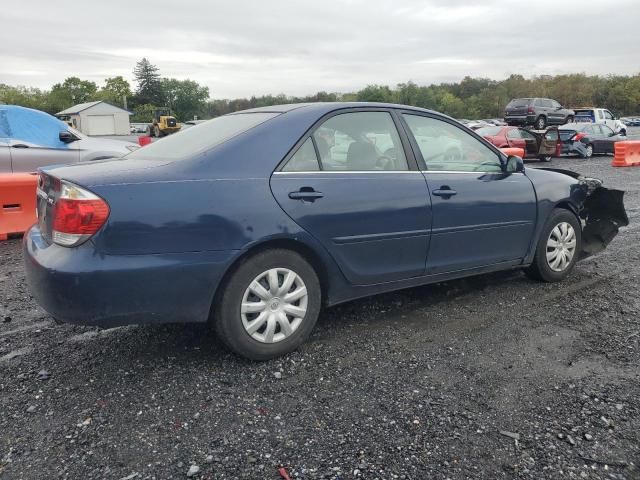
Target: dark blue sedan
column 255, row 220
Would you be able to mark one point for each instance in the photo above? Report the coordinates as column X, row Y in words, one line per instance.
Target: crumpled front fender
column 602, row 211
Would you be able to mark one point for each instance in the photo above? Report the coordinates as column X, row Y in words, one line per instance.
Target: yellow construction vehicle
column 163, row 123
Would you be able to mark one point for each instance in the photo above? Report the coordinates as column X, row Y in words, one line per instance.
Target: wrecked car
column 587, row 139
column 542, row 145
column 255, row 220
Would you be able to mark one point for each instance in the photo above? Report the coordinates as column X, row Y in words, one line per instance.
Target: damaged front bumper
column 602, row 212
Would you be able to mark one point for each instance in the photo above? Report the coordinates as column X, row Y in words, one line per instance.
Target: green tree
column 71, row 92
column 185, row 97
column 149, row 89
column 115, row 91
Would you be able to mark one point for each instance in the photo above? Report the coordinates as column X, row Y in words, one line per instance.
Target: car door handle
column 444, row 191
column 20, row 145
column 306, row 194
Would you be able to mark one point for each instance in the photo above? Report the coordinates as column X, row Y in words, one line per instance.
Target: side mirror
column 67, row 137
column 514, row 164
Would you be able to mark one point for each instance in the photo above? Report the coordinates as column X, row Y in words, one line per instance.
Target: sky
column 240, row 48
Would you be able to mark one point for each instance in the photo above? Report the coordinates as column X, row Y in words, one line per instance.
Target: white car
column 602, row 116
column 30, row 139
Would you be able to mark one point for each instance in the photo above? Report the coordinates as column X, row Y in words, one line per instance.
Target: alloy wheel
column 274, row 305
column 561, row 247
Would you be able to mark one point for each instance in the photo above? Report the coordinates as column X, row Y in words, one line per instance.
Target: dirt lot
column 489, row 377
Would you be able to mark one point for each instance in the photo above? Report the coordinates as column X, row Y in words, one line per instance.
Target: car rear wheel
column 269, row 305
column 569, row 119
column 558, row 248
column 541, row 123
column 545, row 158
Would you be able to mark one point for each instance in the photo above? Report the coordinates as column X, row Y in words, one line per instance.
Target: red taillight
column 578, row 136
column 530, row 110
column 77, row 215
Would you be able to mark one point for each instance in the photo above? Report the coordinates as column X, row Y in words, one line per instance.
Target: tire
column 156, row 131
column 589, row 151
column 569, row 119
column 543, row 268
column 540, row 123
column 232, row 325
column 149, row 131
column 623, row 132
column 545, row 158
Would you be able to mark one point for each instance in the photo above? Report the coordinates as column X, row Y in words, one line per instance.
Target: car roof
column 326, row 107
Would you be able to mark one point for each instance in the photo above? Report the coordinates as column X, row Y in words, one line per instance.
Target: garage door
column 102, row 125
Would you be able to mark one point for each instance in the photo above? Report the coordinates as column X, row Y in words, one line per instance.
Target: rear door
column 481, row 215
column 515, row 139
column 352, row 185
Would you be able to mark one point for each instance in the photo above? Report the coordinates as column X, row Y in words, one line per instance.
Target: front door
column 350, row 185
column 481, row 215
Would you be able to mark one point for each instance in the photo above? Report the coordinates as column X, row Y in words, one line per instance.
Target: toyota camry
column 256, row 220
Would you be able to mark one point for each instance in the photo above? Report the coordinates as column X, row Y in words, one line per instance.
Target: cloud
column 245, row 48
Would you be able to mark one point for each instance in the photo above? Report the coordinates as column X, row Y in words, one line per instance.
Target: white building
column 97, row 118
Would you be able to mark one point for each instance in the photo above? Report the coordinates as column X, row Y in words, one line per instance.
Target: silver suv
column 538, row 112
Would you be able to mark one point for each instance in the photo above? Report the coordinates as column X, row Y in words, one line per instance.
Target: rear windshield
column 200, row 138
column 488, row 131
column 519, row 102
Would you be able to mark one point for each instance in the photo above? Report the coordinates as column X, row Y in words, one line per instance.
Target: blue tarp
column 32, row 126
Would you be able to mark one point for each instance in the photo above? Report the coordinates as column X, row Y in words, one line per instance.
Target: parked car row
column 542, row 145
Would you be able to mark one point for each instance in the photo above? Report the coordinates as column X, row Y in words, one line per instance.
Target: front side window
column 360, row 141
column 607, row 115
column 304, row 160
column 555, row 104
column 606, row 131
column 445, row 147
column 546, row 103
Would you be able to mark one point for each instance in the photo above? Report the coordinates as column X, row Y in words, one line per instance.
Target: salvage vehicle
column 587, row 139
column 247, row 221
column 538, row 112
column 601, row 116
column 30, row 139
column 542, row 145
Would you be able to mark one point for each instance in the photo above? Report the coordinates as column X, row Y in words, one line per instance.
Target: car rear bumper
column 520, row 119
column 82, row 286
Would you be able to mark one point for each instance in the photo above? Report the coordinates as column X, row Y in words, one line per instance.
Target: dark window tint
column 360, row 141
column 304, row 160
column 200, row 138
column 519, row 102
column 446, row 147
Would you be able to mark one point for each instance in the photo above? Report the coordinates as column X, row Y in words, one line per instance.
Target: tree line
column 471, row 98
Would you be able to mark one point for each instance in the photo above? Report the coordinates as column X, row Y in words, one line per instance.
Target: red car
column 542, row 145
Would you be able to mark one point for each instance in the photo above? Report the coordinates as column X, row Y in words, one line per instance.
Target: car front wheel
column 558, row 247
column 269, row 305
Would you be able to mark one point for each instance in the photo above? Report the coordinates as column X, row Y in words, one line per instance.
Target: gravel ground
column 495, row 376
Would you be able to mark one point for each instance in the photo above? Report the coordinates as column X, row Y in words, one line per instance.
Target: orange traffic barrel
column 17, row 202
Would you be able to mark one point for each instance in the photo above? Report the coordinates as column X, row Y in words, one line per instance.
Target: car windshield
column 488, row 131
column 200, row 138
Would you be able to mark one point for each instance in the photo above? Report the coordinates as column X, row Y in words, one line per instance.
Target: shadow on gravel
column 192, row 343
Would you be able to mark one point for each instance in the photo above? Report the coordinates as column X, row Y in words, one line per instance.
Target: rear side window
column 304, row 160
column 200, row 138
column 360, row 141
